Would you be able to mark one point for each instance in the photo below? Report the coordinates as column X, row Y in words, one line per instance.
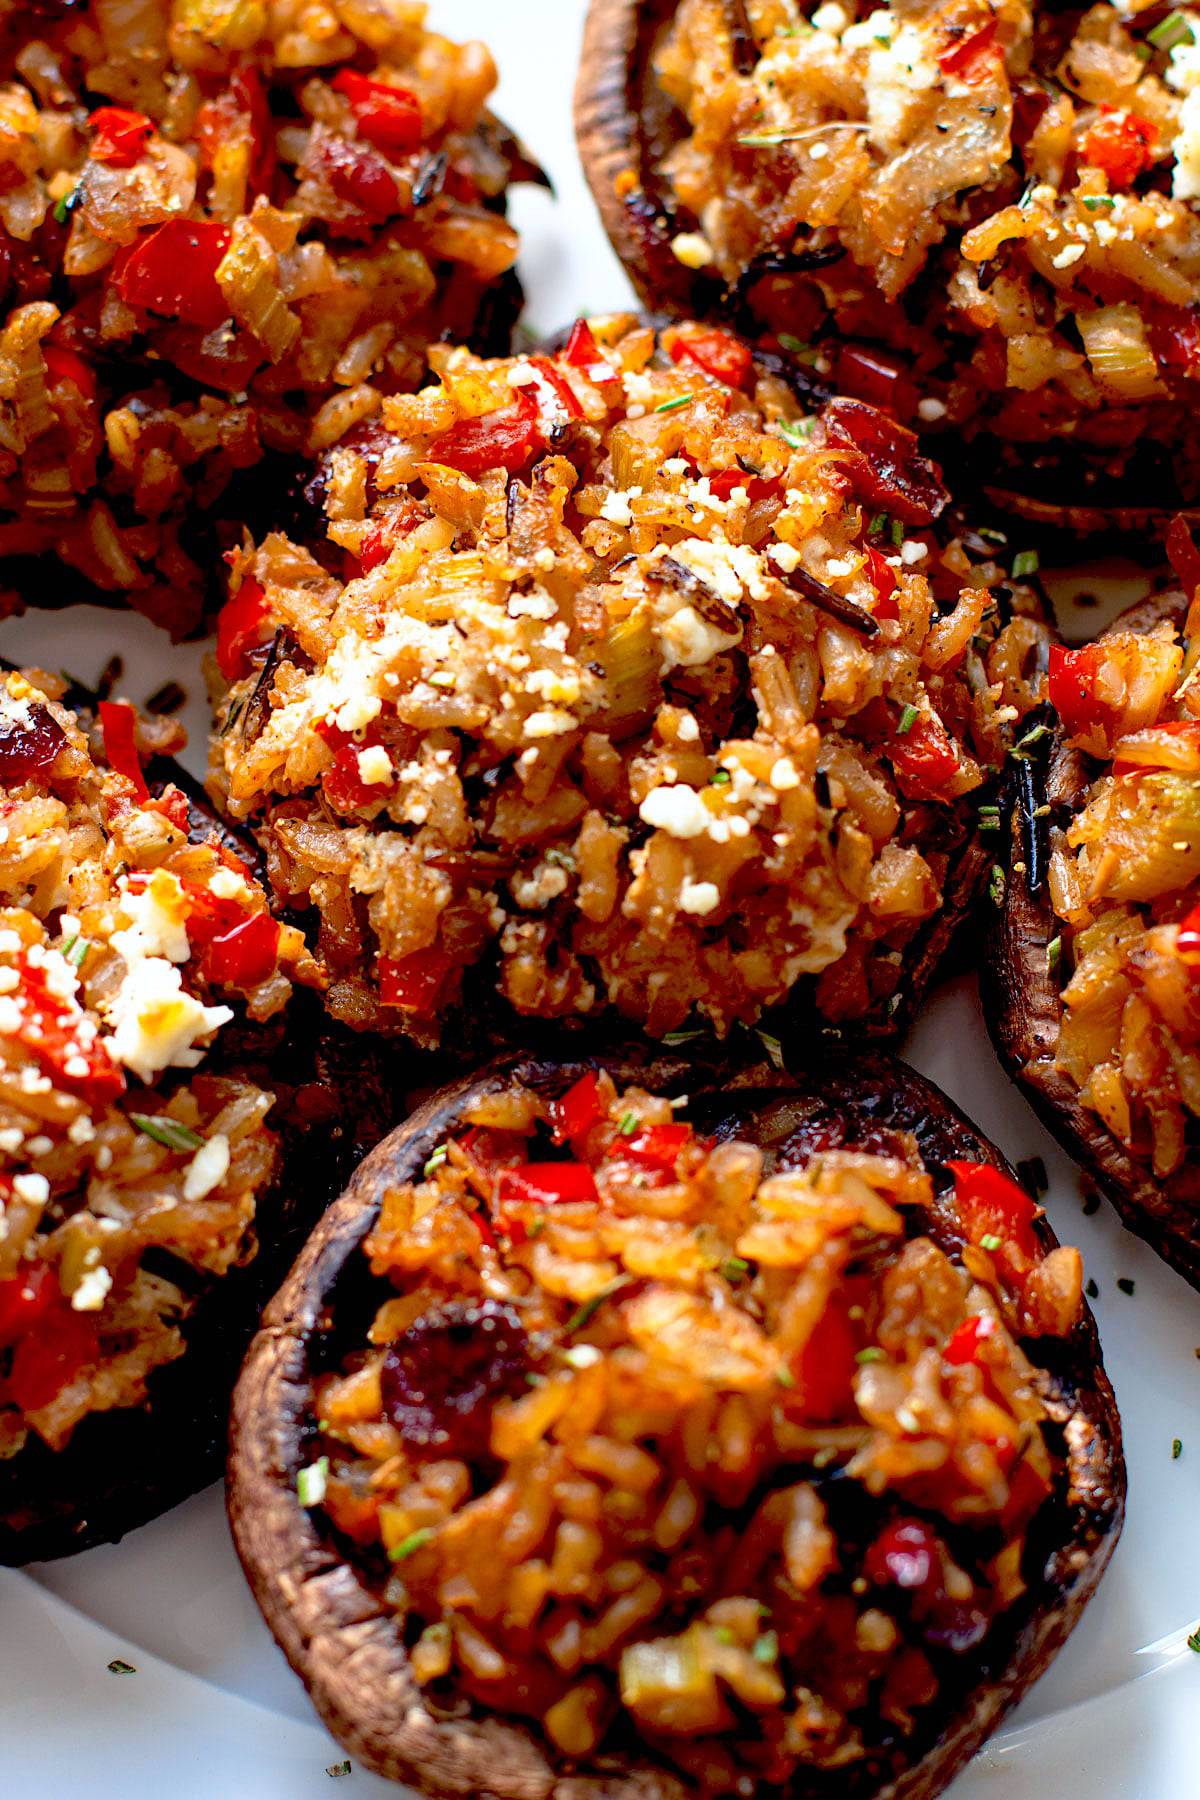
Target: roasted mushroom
column 1090, row 988
column 162, row 1152
column 623, row 680
column 957, row 212
column 662, row 1429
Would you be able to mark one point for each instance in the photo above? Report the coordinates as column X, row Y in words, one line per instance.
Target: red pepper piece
column 173, row 270
column 376, row 548
column 875, row 376
column 758, row 487
column 991, row 1205
column 361, row 178
column 718, row 354
column 583, row 353
column 905, row 1555
column 1122, row 144
column 973, row 55
column 121, row 135
column 882, row 577
column 29, row 749
column 343, row 785
column 574, row 1113
column 239, row 627
column 563, row 391
column 415, row 982
column 658, row 1145
column 1187, row 940
column 64, row 365
column 172, row 803
column 118, row 723
column 388, row 117
column 964, row 1344
column 1183, row 554
column 51, row 1355
column 1071, row 686
column 541, row 1184
column 824, row 1369
column 50, row 1030
column 888, row 470
column 241, row 108
column 924, row 758
column 504, row 439
column 246, row 955
column 209, row 915
column 24, row 1299
column 1175, row 340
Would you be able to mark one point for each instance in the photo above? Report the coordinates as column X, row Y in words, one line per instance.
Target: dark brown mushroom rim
column 323, row 1599
column 335, row 1097
column 626, row 127
column 1023, row 1004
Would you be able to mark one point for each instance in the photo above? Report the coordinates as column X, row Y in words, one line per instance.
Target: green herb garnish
column 1092, row 201
column 1172, row 30
column 674, row 1039
column 796, row 435
column 628, row 1124
column 908, row 719
column 766, row 1648
column 582, row 1314
column 734, row 1268
column 784, row 1376
column 1031, row 738
column 118, row 1666
column 720, row 778
column 996, row 885
column 674, row 405
column 1053, row 954
column 436, row 1160
column 871, row 1354
column 1025, row 562
column 167, row 1131
column 1176, row 1449
column 796, row 347
column 416, row 1540
column 990, row 1242
column 773, row 1048
column 310, row 1482
column 66, row 206
column 75, row 951
column 1193, row 1643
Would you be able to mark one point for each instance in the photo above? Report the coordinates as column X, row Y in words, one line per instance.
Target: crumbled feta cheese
column 687, row 730
column 877, row 28
column 699, row 897
column 227, row 884
column 831, row 17
column 551, row 721
column 679, row 811
column 616, row 507
column 1183, row 64
column 374, row 765
column 33, row 1188
column 784, row 775
column 912, row 551
column 158, row 920
column 155, row 1024
column 930, row 409
column 786, row 556
column 1069, row 254
column 9, row 979
column 91, row 1290
column 11, row 1139
column 357, row 712
column 899, row 77
column 692, row 249
column 208, row 1168
column 690, row 641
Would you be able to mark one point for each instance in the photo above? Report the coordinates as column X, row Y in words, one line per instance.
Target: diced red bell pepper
column 964, row 1344
column 884, row 465
column 725, row 358
column 484, row 1227
column 924, row 758
column 388, row 117
column 1122, row 144
column 824, row 1370
column 375, row 549
column 50, row 1355
column 905, row 1555
column 542, row 1184
column 564, row 393
column 876, row 377
column 574, row 1113
column 414, row 982
column 172, row 803
column 344, row 787
column 504, row 439
column 239, row 627
column 29, row 748
column 882, row 577
column 209, row 915
column 1187, row 940
column 991, row 1205
column 120, row 136
column 244, row 956
column 657, row 1145
column 758, row 487
column 25, row 1299
column 49, row 1030
column 173, row 270
column 242, row 106
column 583, row 353
column 1174, row 335
column 1183, row 554
column 65, row 365
column 1071, row 686
column 118, row 723
column 973, row 55
column 361, row 178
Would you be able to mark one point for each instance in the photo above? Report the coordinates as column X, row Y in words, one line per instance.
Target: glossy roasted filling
column 1022, row 177
column 620, row 677
column 227, row 231
column 120, row 945
column 660, row 1440
column 1125, row 884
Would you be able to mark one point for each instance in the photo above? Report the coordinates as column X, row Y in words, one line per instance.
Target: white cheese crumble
column 155, row 1024
column 692, row 249
column 699, row 897
column 357, row 712
column 91, row 1290
column 679, row 811
column 33, row 1188
column 690, row 641
column 374, row 765
column 157, row 918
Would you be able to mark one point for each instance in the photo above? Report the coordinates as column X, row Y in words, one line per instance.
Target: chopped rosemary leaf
column 674, row 1039
column 1193, row 1642
column 1125, row 1284
column 734, row 1267
column 720, row 778
column 436, row 1160
column 996, row 885
column 990, row 1242
column 411, row 1544
column 1031, row 738
column 766, row 1648
column 784, row 1376
column 167, row 1131
column 1176, row 1449
column 310, row 1482
column 908, row 719
column 1092, row 201
column 628, row 1124
column 877, row 525
column 674, row 405
column 118, row 1666
column 1025, row 562
column 871, row 1354
column 796, row 435
column 897, row 533
column 582, row 1314
column 773, row 1048
column 1053, row 954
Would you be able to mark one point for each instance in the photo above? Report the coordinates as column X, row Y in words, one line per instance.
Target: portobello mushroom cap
column 334, row 1099
column 347, row 1646
column 1023, row 1004
column 626, row 127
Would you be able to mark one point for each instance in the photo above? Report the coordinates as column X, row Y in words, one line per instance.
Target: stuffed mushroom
column 981, row 215
column 670, row 1430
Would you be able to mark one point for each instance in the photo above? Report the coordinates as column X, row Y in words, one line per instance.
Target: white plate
column 213, row 1710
